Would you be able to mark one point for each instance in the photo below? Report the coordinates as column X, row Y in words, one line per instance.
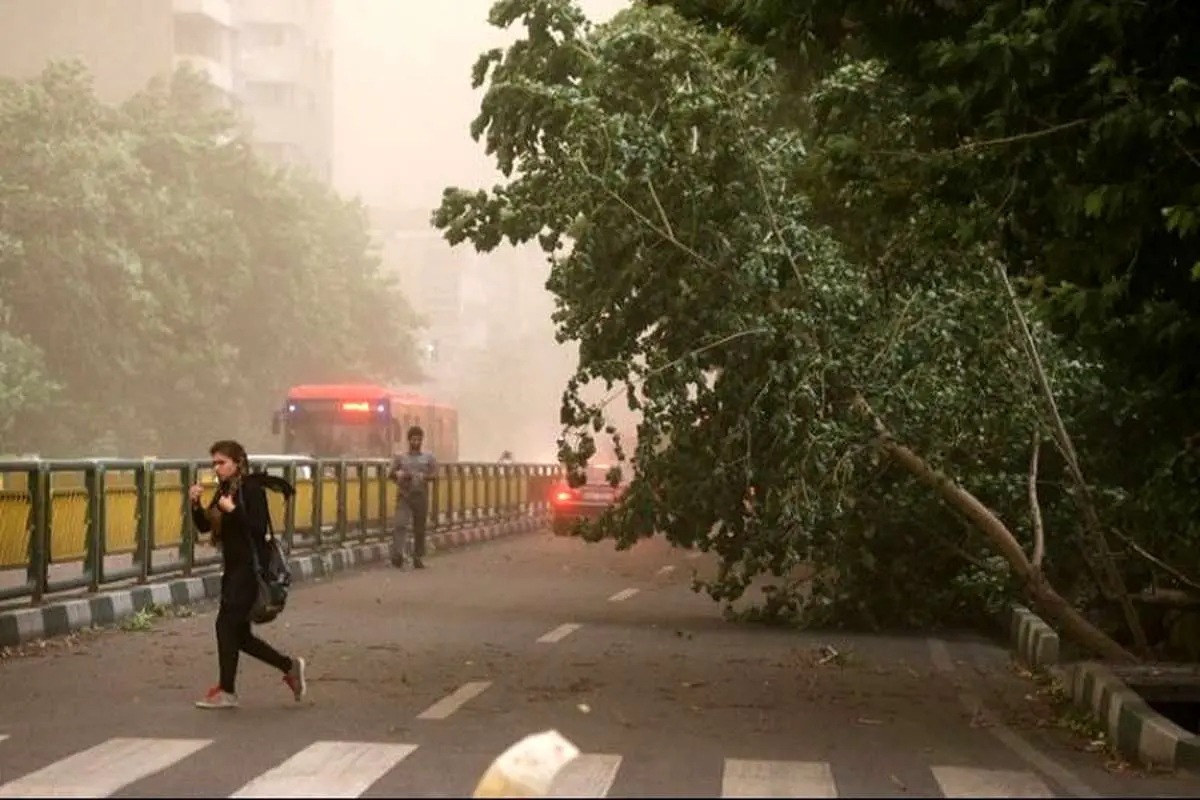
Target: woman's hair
column 237, row 454
column 234, row 452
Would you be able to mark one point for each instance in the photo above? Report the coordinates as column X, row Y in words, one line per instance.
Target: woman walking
column 238, row 518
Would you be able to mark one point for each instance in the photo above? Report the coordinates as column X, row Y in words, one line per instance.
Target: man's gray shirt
column 418, row 465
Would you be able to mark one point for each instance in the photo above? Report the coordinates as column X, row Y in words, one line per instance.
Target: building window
column 266, row 34
column 196, row 37
column 271, row 94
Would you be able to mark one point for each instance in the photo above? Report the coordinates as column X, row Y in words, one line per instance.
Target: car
column 569, row 504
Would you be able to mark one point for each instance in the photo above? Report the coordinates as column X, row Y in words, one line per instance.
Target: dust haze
column 403, row 105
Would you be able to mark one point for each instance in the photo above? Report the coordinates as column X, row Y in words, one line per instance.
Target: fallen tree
column 882, row 421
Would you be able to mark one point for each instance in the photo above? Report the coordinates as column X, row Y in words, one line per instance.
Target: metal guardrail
column 84, row 511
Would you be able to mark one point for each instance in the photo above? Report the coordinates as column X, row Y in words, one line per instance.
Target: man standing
column 414, row 472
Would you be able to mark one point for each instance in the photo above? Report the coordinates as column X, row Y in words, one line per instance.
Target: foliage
column 1077, row 126
column 780, row 382
column 150, row 262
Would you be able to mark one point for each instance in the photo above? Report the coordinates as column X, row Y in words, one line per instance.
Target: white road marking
column 622, row 595
column 693, row 556
column 3, row 736
column 105, row 769
column 667, row 570
column 455, row 700
column 589, row 775
column 942, row 661
column 939, row 654
column 328, row 769
column 972, row 782
column 559, row 633
column 777, row 779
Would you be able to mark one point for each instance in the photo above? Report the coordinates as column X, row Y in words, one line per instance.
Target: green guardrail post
column 144, row 479
column 187, row 530
column 447, row 474
column 318, row 501
column 433, row 508
column 97, row 527
column 382, row 476
column 342, row 501
column 361, row 469
column 289, row 509
column 460, row 489
column 41, row 504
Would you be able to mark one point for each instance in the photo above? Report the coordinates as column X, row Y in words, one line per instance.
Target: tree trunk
column 1041, row 594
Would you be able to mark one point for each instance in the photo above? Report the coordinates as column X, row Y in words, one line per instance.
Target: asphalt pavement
column 419, row 679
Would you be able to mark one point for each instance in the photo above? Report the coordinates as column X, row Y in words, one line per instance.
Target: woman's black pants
column 235, row 637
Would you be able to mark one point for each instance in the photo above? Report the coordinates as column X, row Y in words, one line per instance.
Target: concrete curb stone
column 22, row 625
column 1136, row 730
column 1034, row 641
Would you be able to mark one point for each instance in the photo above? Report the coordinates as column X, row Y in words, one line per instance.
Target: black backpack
column 274, row 577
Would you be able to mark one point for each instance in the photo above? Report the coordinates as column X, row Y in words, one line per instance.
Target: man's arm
column 431, row 470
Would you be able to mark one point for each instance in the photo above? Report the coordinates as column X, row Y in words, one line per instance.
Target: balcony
column 218, row 11
column 219, row 74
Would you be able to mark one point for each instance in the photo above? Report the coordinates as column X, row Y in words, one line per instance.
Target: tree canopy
column 160, row 284
column 893, row 287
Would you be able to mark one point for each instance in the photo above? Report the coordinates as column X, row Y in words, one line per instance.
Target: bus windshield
column 330, row 438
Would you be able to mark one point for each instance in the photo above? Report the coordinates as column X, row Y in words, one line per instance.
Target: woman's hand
column 226, row 504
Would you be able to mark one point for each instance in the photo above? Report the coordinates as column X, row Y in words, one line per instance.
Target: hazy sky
column 403, row 101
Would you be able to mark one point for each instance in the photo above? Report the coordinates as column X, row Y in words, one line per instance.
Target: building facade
column 285, row 66
column 270, row 58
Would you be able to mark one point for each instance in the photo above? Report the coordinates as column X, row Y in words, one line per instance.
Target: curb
column 23, row 625
column 1035, row 642
column 1136, row 730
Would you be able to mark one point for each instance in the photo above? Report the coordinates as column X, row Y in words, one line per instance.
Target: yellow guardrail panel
column 15, row 507
column 304, row 504
column 353, row 501
column 121, row 513
column 169, row 515
column 68, row 525
column 329, row 492
column 443, row 491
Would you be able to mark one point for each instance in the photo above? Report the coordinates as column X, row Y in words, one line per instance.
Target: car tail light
column 565, row 495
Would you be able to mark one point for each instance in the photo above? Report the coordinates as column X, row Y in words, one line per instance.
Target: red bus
column 362, row 421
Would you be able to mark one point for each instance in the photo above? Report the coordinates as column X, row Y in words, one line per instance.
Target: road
column 419, row 679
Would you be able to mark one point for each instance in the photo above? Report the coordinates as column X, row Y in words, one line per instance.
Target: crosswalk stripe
column 3, row 736
column 328, row 769
column 559, row 633
column 103, row 770
column 743, row 778
column 972, row 782
column 455, row 700
column 589, row 775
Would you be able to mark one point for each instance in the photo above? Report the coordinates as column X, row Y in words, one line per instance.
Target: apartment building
column 271, row 58
column 285, row 64
column 124, row 43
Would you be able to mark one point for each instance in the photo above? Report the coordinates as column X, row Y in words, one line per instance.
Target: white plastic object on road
column 528, row 768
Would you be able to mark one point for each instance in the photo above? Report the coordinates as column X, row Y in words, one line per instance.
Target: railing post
column 289, row 508
column 41, row 504
column 447, row 475
column 187, row 529
column 146, row 481
column 342, row 501
column 382, row 476
column 318, row 503
column 363, row 506
column 97, row 525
